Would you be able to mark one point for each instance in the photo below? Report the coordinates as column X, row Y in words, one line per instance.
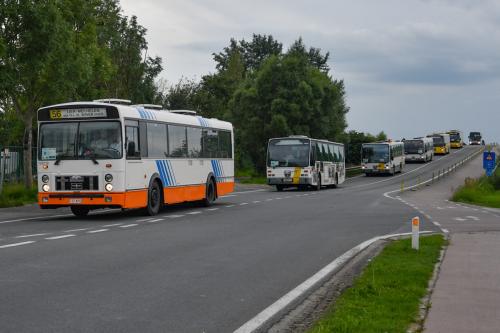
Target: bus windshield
column 455, row 137
column 375, row 153
column 438, row 141
column 414, row 147
column 288, row 153
column 476, row 136
column 80, row 140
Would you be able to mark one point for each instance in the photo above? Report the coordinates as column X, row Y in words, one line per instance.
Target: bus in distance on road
column 475, row 138
column 419, row 150
column 456, row 140
column 106, row 154
column 299, row 161
column 382, row 158
column 442, row 144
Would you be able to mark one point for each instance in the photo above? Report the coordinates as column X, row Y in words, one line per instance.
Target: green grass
column 16, row 195
column 484, row 191
column 386, row 297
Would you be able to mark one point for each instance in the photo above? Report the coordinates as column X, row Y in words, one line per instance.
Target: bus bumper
column 456, row 145
column 131, row 199
column 289, row 181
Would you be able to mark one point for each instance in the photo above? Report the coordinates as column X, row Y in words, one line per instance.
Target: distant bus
column 382, row 158
column 106, row 154
column 475, row 138
column 456, row 139
column 419, row 150
column 442, row 144
column 299, row 161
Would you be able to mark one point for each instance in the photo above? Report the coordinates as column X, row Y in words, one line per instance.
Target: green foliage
column 11, row 129
column 386, row 297
column 16, row 195
column 484, row 191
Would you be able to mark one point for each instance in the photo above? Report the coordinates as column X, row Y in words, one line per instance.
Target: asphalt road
column 189, row 269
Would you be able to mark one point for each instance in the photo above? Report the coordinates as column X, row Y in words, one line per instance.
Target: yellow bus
column 442, row 144
column 456, row 140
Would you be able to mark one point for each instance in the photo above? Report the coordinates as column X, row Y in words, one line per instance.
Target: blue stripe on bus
column 165, row 170
column 162, row 174
column 173, row 174
column 170, row 172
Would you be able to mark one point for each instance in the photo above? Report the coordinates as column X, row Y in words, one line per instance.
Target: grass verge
column 484, row 191
column 16, row 195
column 386, row 297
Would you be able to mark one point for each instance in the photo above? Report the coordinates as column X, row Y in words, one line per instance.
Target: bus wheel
column 318, row 186
column 80, row 211
column 279, row 188
column 154, row 199
column 210, row 194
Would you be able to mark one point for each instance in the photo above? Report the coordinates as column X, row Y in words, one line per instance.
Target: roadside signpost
column 489, row 162
column 415, row 228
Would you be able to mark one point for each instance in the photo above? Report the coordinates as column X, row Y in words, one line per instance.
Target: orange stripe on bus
column 225, row 188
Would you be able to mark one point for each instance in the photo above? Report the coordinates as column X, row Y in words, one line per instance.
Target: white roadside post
column 415, row 226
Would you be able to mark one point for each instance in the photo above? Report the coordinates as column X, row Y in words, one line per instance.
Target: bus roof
column 146, row 113
column 305, row 137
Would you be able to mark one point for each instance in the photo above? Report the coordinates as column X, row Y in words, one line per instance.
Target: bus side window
column 312, row 156
column 132, row 142
column 143, row 139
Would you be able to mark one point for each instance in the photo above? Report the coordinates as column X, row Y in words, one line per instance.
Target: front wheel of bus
column 210, row 194
column 80, row 211
column 154, row 199
column 279, row 188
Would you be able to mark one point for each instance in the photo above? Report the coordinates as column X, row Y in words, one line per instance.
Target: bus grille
column 77, row 183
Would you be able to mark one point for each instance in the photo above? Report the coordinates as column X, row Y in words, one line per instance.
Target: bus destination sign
column 78, row 113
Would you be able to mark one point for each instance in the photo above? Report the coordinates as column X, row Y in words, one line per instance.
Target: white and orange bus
column 109, row 154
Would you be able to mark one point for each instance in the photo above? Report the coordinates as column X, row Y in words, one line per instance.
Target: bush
column 16, row 195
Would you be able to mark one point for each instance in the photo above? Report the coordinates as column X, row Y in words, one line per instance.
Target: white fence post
column 415, row 226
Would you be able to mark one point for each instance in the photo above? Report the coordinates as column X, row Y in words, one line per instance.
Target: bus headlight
column 109, row 187
column 45, row 178
column 108, row 177
column 45, row 188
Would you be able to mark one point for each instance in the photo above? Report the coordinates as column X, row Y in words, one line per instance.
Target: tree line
column 55, row 51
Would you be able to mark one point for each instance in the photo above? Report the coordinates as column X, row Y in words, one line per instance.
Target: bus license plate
column 75, row 201
column 287, row 180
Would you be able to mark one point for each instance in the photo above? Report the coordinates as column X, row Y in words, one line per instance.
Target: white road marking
column 212, row 209
column 74, row 230
column 144, row 220
column 270, row 199
column 475, row 218
column 229, row 206
column 459, row 219
column 32, row 235
column 59, row 237
column 278, row 198
column 440, row 208
column 173, row 216
column 130, row 225
column 251, row 191
column 228, row 196
column 111, row 225
column 15, row 244
column 437, row 223
column 257, row 322
column 193, row 213
column 96, row 231
column 155, row 220
column 287, row 197
column 256, row 201
column 243, row 203
column 445, row 231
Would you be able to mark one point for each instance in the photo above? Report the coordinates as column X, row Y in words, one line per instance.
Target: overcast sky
column 410, row 67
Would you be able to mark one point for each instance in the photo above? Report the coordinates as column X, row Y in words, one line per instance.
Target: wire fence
column 12, row 164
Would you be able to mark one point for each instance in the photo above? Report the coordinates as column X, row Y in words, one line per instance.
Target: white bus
column 419, row 150
column 299, row 161
column 382, row 158
column 106, row 154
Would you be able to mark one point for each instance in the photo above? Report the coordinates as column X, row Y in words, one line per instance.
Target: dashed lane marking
column 96, row 231
column 129, row 225
column 193, row 213
column 111, row 225
column 15, row 244
column 212, row 209
column 144, row 220
column 229, row 206
column 32, row 235
column 243, row 203
column 256, row 201
column 75, row 230
column 459, row 219
column 59, row 237
column 155, row 220
column 173, row 216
